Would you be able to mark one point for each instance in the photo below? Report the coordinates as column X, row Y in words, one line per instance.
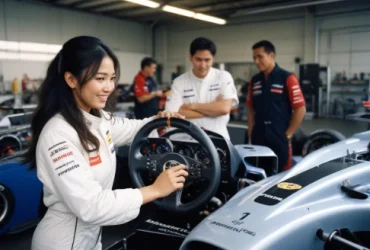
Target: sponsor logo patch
column 188, row 96
column 59, row 143
column 279, row 86
column 53, row 152
column 188, row 90
column 94, row 160
column 257, row 92
column 68, row 169
column 108, row 138
column 66, row 155
column 255, row 83
column 65, row 165
column 213, row 89
column 257, row 87
column 279, row 91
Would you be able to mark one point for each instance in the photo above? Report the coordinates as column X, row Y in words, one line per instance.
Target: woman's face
column 94, row 94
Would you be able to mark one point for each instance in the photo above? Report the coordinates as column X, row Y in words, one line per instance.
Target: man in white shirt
column 204, row 95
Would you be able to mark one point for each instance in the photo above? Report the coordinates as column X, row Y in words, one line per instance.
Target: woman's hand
column 170, row 180
column 167, row 182
column 169, row 114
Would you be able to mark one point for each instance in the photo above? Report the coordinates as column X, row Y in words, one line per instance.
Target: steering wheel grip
column 198, row 134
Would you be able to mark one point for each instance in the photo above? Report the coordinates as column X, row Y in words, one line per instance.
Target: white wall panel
column 32, row 22
column 234, row 43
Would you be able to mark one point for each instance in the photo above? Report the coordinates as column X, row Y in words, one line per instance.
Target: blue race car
column 20, row 189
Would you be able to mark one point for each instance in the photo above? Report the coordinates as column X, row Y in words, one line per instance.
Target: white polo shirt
column 188, row 88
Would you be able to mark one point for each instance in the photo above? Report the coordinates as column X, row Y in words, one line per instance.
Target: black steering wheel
column 156, row 164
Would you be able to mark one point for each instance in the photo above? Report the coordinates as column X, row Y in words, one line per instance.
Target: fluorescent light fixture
column 178, row 11
column 188, row 13
column 39, row 47
column 147, row 3
column 6, row 45
column 5, row 55
column 210, row 19
column 29, row 47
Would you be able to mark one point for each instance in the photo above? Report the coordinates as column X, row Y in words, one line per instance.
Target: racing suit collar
column 93, row 122
column 196, row 79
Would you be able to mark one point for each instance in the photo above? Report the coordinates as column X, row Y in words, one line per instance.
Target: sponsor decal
column 68, row 169
column 271, row 197
column 216, row 85
column 257, row 87
column 275, row 194
column 240, row 221
column 188, row 90
column 295, row 87
column 255, row 83
column 65, row 165
column 59, row 143
column 53, row 152
column 188, row 96
column 296, row 91
column 161, row 227
column 94, row 160
column 279, row 86
column 108, row 138
column 289, row 186
column 213, row 89
column 66, row 155
column 257, row 92
column 233, row 228
column 279, row 91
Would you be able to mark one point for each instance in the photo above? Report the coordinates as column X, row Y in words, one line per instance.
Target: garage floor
column 22, row 241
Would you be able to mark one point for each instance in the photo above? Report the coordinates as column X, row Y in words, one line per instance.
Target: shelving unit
column 343, row 91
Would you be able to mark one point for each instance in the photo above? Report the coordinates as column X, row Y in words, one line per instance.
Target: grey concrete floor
column 22, row 241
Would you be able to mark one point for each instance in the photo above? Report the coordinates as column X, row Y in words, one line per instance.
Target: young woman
column 73, row 150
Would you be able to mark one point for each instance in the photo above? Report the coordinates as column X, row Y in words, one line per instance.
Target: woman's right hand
column 170, row 180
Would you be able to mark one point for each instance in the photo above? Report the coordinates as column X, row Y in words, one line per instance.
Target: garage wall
column 32, row 22
column 234, row 41
column 344, row 43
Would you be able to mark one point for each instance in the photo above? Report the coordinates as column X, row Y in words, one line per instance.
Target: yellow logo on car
column 289, row 186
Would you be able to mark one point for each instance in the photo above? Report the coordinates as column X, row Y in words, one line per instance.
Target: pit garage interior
column 324, row 43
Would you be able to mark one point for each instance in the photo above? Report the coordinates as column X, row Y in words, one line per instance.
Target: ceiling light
column 210, row 19
column 6, row 45
column 26, row 56
column 178, row 11
column 147, row 3
column 39, row 47
column 29, row 47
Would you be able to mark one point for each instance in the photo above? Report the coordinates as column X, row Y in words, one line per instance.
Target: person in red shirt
column 147, row 93
column 276, row 106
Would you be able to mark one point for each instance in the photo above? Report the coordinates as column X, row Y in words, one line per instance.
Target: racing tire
column 320, row 139
column 298, row 141
column 6, row 205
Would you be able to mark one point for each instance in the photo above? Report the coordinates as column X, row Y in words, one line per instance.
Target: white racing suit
column 78, row 185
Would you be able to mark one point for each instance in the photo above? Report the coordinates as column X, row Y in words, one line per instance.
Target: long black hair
column 81, row 56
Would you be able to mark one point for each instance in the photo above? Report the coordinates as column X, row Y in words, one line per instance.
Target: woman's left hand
column 169, row 114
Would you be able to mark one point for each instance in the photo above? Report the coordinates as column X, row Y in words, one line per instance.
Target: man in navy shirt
column 276, row 106
column 146, row 90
